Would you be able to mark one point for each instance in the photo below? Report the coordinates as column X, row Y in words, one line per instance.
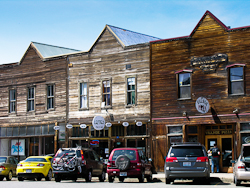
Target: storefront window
column 245, row 126
column 175, row 139
column 38, row 130
column 192, row 138
column 3, row 131
column 51, row 129
column 117, row 130
column 45, row 129
column 192, row 129
column 15, row 131
column 22, row 131
column 175, row 130
column 79, row 132
column 133, row 129
column 245, row 138
column 9, row 131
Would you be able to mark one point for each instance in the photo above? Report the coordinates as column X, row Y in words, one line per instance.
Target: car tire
column 88, row 176
column 58, row 179
column 121, row 179
column 167, row 181
column 9, row 176
column 111, row 179
column 122, row 162
column 20, row 179
column 38, row 179
column 150, row 177
column 236, row 181
column 141, row 178
column 49, row 176
column 102, row 176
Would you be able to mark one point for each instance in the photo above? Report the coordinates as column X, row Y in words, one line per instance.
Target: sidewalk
column 224, row 177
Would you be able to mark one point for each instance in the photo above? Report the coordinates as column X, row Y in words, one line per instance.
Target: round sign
column 108, row 124
column 139, row 123
column 69, row 126
column 56, row 128
column 202, row 105
column 83, row 126
column 98, row 122
column 125, row 124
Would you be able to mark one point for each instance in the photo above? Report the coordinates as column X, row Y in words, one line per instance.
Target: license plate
column 28, row 171
column 123, row 173
column 186, row 163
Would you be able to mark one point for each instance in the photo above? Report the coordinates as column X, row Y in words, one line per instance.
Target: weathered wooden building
column 33, row 101
column 111, row 81
column 200, row 91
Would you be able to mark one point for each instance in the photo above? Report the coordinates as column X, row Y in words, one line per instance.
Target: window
column 106, row 93
column 131, row 97
column 184, row 87
column 83, row 95
column 31, row 99
column 12, row 101
column 236, row 80
column 50, row 97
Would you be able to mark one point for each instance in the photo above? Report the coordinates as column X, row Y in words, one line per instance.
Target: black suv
column 73, row 163
column 187, row 161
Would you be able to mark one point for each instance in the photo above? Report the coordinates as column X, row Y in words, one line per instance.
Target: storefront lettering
column 226, row 132
column 209, row 63
column 212, row 132
column 217, row 132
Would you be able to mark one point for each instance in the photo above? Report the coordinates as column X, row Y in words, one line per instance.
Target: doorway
column 225, row 145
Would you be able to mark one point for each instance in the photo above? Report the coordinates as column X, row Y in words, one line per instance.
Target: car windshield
column 3, row 159
column 35, row 160
column 131, row 154
column 187, row 151
column 246, row 152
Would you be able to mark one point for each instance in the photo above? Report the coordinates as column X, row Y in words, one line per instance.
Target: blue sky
column 77, row 23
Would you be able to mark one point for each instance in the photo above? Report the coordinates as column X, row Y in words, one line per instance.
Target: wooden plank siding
column 169, row 56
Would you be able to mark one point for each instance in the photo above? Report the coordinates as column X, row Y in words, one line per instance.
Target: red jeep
column 129, row 163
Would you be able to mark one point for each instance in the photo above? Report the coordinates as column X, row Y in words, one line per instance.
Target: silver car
column 187, row 161
column 242, row 165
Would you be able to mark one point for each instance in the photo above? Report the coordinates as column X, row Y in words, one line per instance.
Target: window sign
column 18, row 145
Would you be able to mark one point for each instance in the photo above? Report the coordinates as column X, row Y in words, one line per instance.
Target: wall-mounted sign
column 56, row 128
column 202, row 105
column 209, row 63
column 98, row 122
column 69, row 126
column 108, row 124
column 94, row 142
column 125, row 124
column 83, row 126
column 18, row 147
column 139, row 123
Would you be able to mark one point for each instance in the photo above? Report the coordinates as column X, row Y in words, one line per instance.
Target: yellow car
column 35, row 167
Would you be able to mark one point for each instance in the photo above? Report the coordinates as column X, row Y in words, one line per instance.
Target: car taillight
column 2, row 167
column 19, row 165
column 40, row 164
column 82, row 155
column 171, row 159
column 241, row 167
column 108, row 164
column 202, row 159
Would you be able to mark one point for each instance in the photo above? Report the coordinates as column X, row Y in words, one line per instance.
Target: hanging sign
column 56, row 128
column 98, row 122
column 202, row 105
column 83, row 126
column 125, row 124
column 69, row 126
column 139, row 123
column 108, row 124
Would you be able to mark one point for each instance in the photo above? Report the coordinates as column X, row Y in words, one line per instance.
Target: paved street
column 130, row 183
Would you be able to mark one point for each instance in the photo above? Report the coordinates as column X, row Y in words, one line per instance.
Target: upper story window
column 12, row 102
column 50, row 96
column 31, row 99
column 106, row 93
column 83, row 95
column 236, row 80
column 131, row 91
column 184, row 85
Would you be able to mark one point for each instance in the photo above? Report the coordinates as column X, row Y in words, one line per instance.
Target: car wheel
column 111, row 179
column 58, row 179
column 49, row 176
column 122, row 162
column 9, row 177
column 20, row 179
column 38, row 179
column 236, row 181
column 121, row 179
column 150, row 177
column 102, row 176
column 167, row 181
column 141, row 178
column 89, row 176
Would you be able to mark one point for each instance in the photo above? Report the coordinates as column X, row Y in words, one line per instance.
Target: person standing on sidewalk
column 215, row 158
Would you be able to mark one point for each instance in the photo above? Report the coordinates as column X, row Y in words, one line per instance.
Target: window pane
column 38, row 130
column 9, row 131
column 30, row 130
column 45, row 129
column 185, row 92
column 15, row 131
column 236, row 73
column 245, row 126
column 3, row 131
column 192, row 129
column 237, row 87
column 184, row 79
column 22, row 131
column 174, row 129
